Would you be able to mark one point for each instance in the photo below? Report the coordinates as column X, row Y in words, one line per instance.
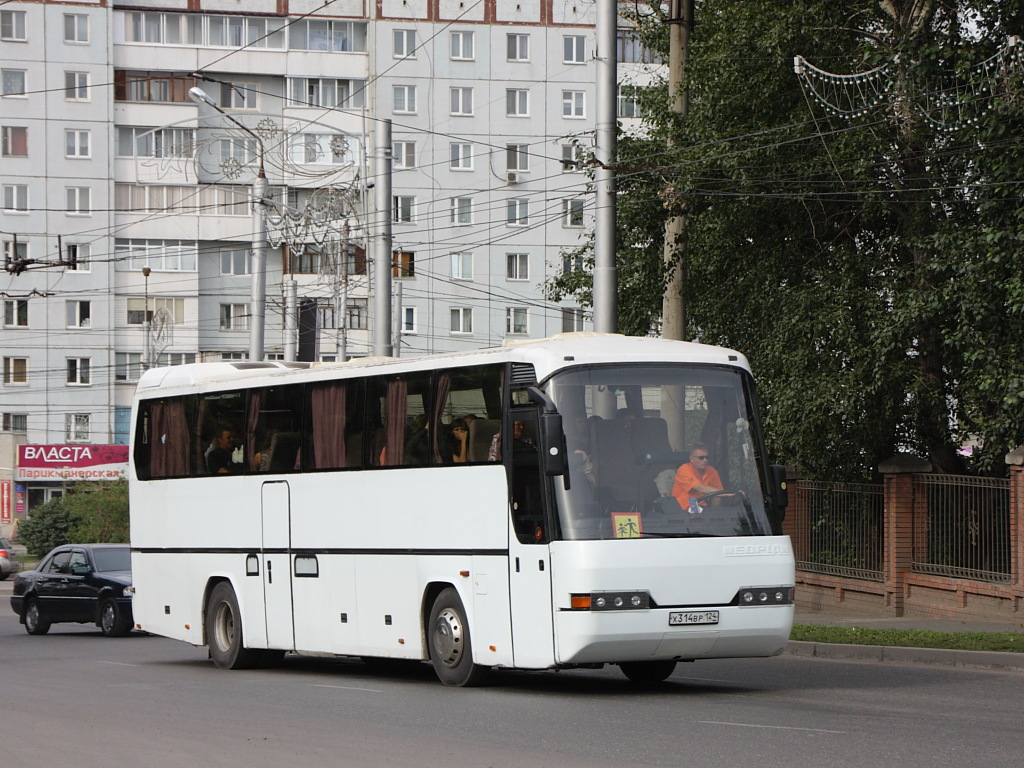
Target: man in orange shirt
column 695, row 478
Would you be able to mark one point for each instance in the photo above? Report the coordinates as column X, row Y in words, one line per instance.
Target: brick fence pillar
column 796, row 524
column 1015, row 460
column 900, row 522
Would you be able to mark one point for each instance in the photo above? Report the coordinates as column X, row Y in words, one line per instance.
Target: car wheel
column 112, row 624
column 647, row 672
column 33, row 619
column 451, row 648
column 224, row 631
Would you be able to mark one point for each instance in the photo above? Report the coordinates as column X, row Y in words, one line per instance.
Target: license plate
column 676, row 618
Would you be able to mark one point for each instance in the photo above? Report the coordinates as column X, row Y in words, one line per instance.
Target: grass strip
column 911, row 638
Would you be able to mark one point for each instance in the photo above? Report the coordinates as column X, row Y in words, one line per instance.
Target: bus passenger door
column 277, row 566
column 529, row 560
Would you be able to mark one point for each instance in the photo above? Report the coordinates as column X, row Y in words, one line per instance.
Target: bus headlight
column 611, row 601
column 755, row 596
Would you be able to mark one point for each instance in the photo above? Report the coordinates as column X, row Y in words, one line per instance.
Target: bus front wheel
column 224, row 631
column 451, row 648
column 647, row 672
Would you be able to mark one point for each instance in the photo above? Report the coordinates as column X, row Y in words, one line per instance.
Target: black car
column 77, row 582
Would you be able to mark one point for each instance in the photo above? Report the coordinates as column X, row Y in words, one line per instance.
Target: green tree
column 89, row 512
column 864, row 264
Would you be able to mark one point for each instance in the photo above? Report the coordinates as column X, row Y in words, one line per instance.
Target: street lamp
column 258, row 263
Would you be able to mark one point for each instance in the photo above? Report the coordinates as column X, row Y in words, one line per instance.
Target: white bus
column 340, row 509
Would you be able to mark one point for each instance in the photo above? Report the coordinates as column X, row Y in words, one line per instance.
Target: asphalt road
column 75, row 697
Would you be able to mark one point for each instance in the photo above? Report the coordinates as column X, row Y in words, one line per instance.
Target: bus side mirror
column 552, row 445
column 780, row 494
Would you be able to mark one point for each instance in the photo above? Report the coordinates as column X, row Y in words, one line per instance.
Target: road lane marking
column 347, row 688
column 776, row 727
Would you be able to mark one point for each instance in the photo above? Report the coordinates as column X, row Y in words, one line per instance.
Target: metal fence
column 966, row 531
column 844, row 535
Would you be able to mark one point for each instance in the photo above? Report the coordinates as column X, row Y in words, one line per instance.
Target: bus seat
column 481, row 432
column 612, row 457
column 284, row 449
column 650, row 437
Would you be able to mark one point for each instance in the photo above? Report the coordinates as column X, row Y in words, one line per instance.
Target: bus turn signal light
column 581, row 602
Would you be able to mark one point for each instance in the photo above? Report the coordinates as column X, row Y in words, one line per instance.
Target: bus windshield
column 659, row 451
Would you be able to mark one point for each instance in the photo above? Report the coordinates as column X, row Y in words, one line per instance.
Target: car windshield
column 659, row 451
column 114, row 559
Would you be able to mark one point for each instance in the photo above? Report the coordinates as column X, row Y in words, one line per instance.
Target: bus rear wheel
column 450, row 644
column 647, row 672
column 224, row 631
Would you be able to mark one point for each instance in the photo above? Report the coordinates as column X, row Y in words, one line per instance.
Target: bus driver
column 695, row 478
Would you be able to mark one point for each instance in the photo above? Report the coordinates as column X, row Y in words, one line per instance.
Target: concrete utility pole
column 673, row 307
column 606, row 315
column 382, row 346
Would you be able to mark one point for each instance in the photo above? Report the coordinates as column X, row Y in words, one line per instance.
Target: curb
column 882, row 653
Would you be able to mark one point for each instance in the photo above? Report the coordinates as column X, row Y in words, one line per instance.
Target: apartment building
column 126, row 220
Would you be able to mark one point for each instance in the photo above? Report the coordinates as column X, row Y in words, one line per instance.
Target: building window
column 573, row 104
column 176, row 358
column 15, row 370
column 462, row 210
column 321, row 149
column 404, row 209
column 234, row 317
column 79, row 200
column 403, row 264
column 572, row 158
column 462, row 265
column 159, row 87
column 517, row 157
column 127, row 366
column 78, row 314
column 234, row 261
column 14, row 252
column 461, row 101
column 238, row 95
column 158, row 255
column 76, row 143
column 572, row 320
column 328, row 36
column 12, row 26
column 355, row 260
column 76, row 257
column 461, row 157
column 16, row 198
column 517, row 266
column 405, row 99
column 16, row 313
column 625, row 102
column 325, row 317
column 135, row 141
column 515, row 320
column 13, row 82
column 76, row 86
column 517, row 47
column 15, row 422
column 78, row 370
column 228, row 357
column 517, row 102
column 517, row 211
column 404, row 155
column 405, row 43
column 326, row 92
column 462, row 46
column 408, row 319
column 571, row 263
column 572, row 213
column 76, row 28
column 76, row 427
column 462, row 320
column 357, row 313
column 574, row 49
column 15, row 141
column 632, row 51
column 175, row 308
column 305, row 260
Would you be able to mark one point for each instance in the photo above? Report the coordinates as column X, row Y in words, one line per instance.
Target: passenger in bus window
column 221, row 459
column 459, row 441
column 696, row 478
column 519, row 439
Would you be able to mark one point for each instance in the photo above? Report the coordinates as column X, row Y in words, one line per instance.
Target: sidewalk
column 939, row 656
